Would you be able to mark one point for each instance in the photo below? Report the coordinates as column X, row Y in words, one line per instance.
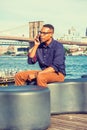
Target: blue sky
column 63, row 14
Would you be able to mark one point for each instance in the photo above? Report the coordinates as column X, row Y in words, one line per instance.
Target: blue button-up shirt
column 52, row 55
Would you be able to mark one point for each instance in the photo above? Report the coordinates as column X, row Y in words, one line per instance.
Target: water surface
column 76, row 66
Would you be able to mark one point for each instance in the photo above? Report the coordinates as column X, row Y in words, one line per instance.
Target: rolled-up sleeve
column 32, row 60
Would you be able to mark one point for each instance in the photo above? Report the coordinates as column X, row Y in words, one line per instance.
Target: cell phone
column 39, row 38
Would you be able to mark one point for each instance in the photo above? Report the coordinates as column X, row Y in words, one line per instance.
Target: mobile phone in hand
column 39, row 39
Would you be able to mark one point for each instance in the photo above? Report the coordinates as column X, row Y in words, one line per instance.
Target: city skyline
column 62, row 14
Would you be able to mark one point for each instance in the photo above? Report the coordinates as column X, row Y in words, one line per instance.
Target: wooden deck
column 68, row 122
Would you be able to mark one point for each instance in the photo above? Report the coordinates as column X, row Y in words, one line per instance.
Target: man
column 50, row 55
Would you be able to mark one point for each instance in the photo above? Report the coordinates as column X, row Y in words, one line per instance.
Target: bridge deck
column 31, row 40
column 68, row 122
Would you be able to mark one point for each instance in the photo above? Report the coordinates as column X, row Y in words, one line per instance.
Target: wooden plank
column 68, row 122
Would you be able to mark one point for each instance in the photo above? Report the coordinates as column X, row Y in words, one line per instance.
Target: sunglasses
column 44, row 32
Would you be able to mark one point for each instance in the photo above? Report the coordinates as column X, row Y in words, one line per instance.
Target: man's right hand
column 37, row 41
column 32, row 76
column 32, row 51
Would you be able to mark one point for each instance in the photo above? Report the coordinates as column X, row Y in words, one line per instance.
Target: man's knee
column 40, row 76
column 41, row 80
column 18, row 75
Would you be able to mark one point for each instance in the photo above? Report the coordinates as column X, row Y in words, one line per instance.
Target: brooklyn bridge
column 26, row 41
column 32, row 29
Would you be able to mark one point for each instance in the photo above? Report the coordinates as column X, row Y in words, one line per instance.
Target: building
column 86, row 32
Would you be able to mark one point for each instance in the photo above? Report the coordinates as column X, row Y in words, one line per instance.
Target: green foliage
column 8, row 53
column 67, row 51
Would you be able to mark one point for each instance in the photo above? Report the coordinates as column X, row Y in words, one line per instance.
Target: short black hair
column 49, row 26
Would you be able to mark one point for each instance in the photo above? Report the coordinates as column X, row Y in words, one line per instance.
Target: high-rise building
column 86, row 32
column 72, row 31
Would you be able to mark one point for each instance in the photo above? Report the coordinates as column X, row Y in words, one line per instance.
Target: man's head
column 46, row 33
column 51, row 27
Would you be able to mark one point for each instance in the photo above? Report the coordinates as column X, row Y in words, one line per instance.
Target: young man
column 50, row 55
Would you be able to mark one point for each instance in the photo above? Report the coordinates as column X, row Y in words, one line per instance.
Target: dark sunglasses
column 44, row 32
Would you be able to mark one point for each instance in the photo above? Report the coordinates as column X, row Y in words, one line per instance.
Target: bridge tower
column 34, row 28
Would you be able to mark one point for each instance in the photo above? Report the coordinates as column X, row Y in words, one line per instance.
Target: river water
column 76, row 66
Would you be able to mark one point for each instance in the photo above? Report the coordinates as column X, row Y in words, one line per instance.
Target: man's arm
column 47, row 70
column 32, row 51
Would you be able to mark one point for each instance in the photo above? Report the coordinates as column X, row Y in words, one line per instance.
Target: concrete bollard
column 68, row 97
column 24, row 108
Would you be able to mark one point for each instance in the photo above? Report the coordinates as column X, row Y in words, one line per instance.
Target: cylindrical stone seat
column 68, row 97
column 24, row 108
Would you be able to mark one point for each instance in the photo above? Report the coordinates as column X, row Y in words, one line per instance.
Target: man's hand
column 37, row 41
column 32, row 51
column 32, row 76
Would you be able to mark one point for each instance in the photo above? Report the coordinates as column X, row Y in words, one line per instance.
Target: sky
column 62, row 14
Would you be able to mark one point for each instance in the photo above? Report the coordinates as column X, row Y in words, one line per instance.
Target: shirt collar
column 50, row 45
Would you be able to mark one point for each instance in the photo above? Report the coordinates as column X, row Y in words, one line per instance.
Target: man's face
column 45, row 34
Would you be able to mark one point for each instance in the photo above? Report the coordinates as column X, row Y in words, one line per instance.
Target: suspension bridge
column 20, row 36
